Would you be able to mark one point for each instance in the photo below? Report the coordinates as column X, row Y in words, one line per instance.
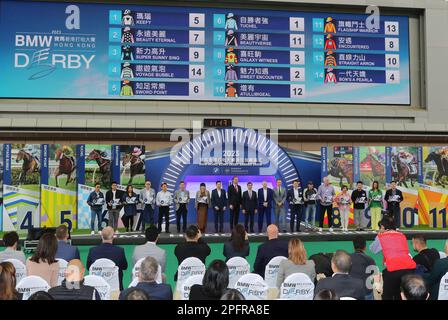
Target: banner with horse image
column 435, row 166
column 340, row 166
column 372, row 165
column 21, row 187
column 406, row 166
column 97, row 167
column 58, row 194
column 132, row 165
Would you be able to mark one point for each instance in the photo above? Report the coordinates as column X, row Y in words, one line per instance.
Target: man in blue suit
column 65, row 250
column 108, row 251
column 219, row 203
column 265, row 196
column 147, row 282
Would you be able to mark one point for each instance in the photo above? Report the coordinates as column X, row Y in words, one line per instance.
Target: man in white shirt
column 163, row 200
column 148, row 199
column 181, row 200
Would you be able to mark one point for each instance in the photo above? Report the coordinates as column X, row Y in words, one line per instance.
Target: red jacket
column 395, row 251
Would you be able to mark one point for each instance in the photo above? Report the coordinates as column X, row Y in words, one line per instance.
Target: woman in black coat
column 130, row 201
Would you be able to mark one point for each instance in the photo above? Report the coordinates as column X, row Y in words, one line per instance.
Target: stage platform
column 136, row 238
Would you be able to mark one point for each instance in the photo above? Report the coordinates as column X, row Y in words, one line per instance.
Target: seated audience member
column 40, row 295
column 214, row 283
column 8, row 282
column 343, row 284
column 413, row 288
column 147, row 282
column 396, row 257
column 232, row 295
column 150, row 248
column 272, row 248
column 326, row 294
column 426, row 257
column 11, row 242
column 135, row 294
column 297, row 262
column 363, row 266
column 109, row 251
column 322, row 262
column 238, row 246
column 65, row 250
column 194, row 246
column 433, row 278
column 73, row 287
column 43, row 263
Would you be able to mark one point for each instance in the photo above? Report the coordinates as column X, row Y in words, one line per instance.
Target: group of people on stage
column 252, row 203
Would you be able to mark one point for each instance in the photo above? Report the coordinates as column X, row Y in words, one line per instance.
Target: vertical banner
column 356, row 169
column 80, row 163
column 420, row 164
column 388, row 165
column 323, row 162
column 21, row 199
column 340, row 166
column 115, row 163
column 1, row 186
column 97, row 169
column 58, row 189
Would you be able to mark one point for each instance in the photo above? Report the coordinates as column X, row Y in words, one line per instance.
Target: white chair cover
column 99, row 284
column 186, row 286
column 106, row 269
column 189, row 267
column 62, row 267
column 238, row 267
column 297, row 286
column 31, row 284
column 271, row 271
column 20, row 269
column 252, row 286
column 443, row 288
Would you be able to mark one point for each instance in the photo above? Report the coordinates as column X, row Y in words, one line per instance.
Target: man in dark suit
column 65, row 250
column 343, row 284
column 265, row 196
column 295, row 200
column 108, row 251
column 235, row 201
column 250, row 204
column 272, row 248
column 113, row 197
column 219, row 204
column 393, row 198
column 432, row 279
column 147, row 282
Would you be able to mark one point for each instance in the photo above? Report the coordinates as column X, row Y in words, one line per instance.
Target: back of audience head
column 232, row 295
column 148, row 270
column 136, row 294
column 238, row 237
column 418, row 242
column 152, row 234
column 326, row 294
column 107, row 234
column 387, row 223
column 46, row 249
column 192, row 233
column 413, row 288
column 216, row 278
column 359, row 243
column 272, row 232
column 7, row 281
column 296, row 251
column 41, row 295
column 62, row 232
column 11, row 239
column 75, row 271
column 341, row 262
